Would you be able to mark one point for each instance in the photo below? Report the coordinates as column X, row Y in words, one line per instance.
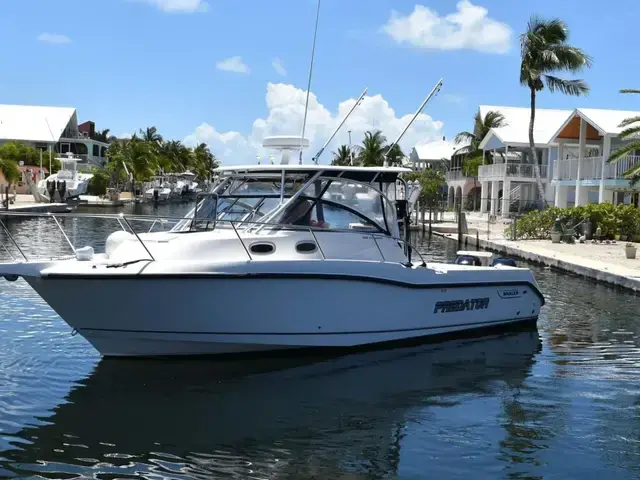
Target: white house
column 441, row 154
column 509, row 183
column 584, row 142
column 54, row 128
column 432, row 154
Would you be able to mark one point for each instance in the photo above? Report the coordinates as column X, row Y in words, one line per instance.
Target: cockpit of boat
column 307, row 196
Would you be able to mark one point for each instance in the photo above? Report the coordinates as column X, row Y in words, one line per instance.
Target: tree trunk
column 532, row 146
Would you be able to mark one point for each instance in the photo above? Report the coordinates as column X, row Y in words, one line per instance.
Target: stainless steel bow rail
column 125, row 224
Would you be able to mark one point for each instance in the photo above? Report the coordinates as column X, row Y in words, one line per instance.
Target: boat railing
column 125, row 222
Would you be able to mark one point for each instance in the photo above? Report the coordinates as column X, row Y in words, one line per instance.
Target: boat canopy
column 335, row 198
column 360, row 174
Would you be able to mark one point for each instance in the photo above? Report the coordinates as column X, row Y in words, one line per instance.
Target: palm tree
column 343, row 157
column 204, row 161
column 470, row 168
column 544, row 50
column 173, row 156
column 395, row 156
column 631, row 131
column 102, row 135
column 150, row 134
column 373, row 149
column 481, row 127
column 11, row 173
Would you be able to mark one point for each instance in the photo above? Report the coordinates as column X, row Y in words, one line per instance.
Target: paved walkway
column 601, row 261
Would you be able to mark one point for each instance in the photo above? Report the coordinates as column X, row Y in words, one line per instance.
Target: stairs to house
column 515, row 195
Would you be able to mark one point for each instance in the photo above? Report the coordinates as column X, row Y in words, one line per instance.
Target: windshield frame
column 306, row 182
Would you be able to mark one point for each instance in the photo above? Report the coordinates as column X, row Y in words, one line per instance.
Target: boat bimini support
column 282, row 206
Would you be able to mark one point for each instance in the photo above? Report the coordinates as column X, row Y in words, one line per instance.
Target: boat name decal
column 448, row 306
column 510, row 293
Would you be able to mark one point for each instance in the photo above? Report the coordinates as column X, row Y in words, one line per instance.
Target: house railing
column 499, row 171
column 591, row 168
column 455, row 175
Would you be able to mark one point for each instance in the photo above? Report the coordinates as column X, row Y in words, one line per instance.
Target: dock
column 100, row 202
column 26, row 203
column 601, row 262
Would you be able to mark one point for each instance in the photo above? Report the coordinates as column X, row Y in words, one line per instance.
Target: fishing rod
column 315, row 158
column 433, row 92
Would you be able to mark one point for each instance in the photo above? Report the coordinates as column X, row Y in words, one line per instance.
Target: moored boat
column 323, row 270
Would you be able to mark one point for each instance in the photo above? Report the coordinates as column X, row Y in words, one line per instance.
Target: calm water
column 559, row 402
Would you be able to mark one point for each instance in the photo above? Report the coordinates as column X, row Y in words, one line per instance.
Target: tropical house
column 581, row 175
column 442, row 154
column 507, row 176
column 432, row 155
column 54, row 128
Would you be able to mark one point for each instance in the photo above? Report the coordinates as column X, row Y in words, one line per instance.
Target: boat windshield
column 327, row 203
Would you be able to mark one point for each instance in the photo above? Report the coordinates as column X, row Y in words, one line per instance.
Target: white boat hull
column 223, row 313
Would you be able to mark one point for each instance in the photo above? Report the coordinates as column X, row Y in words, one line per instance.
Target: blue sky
column 127, row 64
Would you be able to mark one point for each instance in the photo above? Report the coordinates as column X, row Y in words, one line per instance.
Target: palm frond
column 464, row 150
column 564, row 57
column 628, row 121
column 635, row 170
column 464, row 136
column 630, row 132
column 568, row 87
column 553, row 30
column 493, row 119
column 624, row 151
column 629, row 90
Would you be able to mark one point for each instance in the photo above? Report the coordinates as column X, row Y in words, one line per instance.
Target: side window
column 336, row 218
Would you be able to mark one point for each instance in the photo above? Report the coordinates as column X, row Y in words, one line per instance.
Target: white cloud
column 278, row 67
column 179, row 6
column 286, row 110
column 469, row 27
column 53, row 38
column 233, row 64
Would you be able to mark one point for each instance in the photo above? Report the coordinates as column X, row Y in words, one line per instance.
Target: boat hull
column 208, row 315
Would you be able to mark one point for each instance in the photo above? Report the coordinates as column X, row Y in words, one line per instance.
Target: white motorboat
column 75, row 182
column 172, row 186
column 270, row 260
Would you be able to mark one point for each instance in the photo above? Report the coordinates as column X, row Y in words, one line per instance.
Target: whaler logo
column 449, row 306
column 510, row 293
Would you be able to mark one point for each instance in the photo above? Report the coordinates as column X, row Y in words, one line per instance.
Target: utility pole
column 350, row 150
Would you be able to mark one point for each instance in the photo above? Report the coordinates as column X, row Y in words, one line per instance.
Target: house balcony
column 515, row 171
column 457, row 176
column 591, row 168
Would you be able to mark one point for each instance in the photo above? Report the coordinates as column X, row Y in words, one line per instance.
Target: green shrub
column 612, row 220
column 99, row 182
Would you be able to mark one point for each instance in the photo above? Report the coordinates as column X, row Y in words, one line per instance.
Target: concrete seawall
column 587, row 267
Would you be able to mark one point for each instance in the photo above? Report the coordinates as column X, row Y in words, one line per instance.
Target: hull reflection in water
column 284, row 417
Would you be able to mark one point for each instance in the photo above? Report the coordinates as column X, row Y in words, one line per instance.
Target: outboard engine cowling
column 510, row 262
column 468, row 260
